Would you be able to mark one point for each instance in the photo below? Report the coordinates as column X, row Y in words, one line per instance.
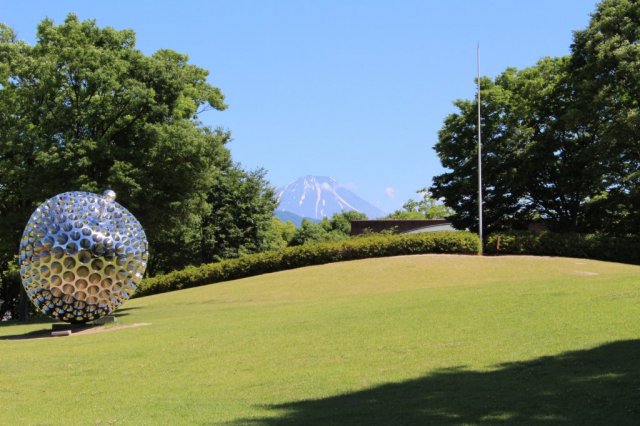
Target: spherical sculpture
column 81, row 256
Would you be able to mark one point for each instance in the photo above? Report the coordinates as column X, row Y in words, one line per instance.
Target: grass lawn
column 406, row 340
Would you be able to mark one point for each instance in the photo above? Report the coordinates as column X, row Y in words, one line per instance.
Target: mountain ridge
column 316, row 197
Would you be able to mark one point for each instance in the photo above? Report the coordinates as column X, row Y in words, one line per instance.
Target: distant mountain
column 286, row 216
column 316, row 197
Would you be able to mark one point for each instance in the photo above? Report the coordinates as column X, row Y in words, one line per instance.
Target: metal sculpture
column 81, row 256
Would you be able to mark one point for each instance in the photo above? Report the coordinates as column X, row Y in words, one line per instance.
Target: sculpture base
column 61, row 326
column 109, row 319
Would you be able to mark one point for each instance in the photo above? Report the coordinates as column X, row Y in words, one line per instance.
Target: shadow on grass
column 37, row 319
column 35, row 334
column 47, row 323
column 588, row 387
column 46, row 332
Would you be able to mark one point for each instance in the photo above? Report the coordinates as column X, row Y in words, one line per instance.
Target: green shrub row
column 592, row 246
column 311, row 254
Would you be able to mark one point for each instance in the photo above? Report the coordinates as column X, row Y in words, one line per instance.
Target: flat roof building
column 400, row 226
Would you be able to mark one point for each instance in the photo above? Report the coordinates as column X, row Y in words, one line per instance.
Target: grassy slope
column 413, row 339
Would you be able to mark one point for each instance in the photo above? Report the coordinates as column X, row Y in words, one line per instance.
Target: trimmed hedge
column 311, row 254
column 592, row 246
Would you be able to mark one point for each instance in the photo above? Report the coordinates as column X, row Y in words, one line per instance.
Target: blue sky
column 356, row 90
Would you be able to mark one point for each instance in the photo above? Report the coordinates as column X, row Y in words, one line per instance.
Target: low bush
column 311, row 254
column 592, row 246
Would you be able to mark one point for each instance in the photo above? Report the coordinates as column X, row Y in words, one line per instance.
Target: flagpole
column 479, row 157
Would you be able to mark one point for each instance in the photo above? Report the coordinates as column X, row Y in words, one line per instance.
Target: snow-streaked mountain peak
column 322, row 196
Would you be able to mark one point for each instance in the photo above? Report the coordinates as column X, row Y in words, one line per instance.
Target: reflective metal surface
column 81, row 256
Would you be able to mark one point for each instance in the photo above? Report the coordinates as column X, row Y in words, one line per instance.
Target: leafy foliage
column 240, row 218
column 536, row 157
column 278, row 234
column 560, row 139
column 335, row 229
column 592, row 246
column 427, row 208
column 457, row 150
column 83, row 109
column 605, row 62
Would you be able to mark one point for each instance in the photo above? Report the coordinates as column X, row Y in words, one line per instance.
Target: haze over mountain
column 285, row 217
column 316, row 197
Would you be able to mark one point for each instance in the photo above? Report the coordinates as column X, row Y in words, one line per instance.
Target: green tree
column 457, row 149
column 427, row 208
column 83, row 109
column 561, row 161
column 561, row 139
column 341, row 222
column 278, row 235
column 308, row 232
column 240, row 218
column 539, row 160
column 605, row 63
column 334, row 229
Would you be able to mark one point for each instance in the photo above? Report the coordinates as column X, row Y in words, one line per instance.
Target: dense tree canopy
column 334, row 229
column 83, row 109
column 605, row 62
column 457, row 149
column 426, row 208
column 240, row 220
column 560, row 139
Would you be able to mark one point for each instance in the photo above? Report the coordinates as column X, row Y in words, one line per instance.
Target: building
column 400, row 226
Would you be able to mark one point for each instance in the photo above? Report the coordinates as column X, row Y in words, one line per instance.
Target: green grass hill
column 428, row 339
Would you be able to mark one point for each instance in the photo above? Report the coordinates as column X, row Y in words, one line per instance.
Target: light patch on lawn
column 586, row 273
column 96, row 330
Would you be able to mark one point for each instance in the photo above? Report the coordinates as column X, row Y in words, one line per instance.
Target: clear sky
column 352, row 89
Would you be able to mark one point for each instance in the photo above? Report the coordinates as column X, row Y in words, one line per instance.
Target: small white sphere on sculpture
column 109, row 195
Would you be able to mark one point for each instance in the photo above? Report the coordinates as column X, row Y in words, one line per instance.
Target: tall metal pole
column 479, row 158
